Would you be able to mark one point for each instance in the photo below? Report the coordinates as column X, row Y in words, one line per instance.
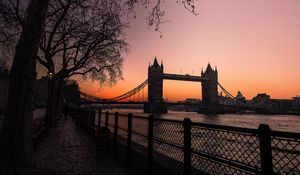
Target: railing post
column 93, row 117
column 83, row 118
column 264, row 134
column 99, row 117
column 80, row 121
column 77, row 117
column 115, row 133
column 87, row 120
column 90, row 120
column 106, row 119
column 129, row 133
column 187, row 165
column 150, row 144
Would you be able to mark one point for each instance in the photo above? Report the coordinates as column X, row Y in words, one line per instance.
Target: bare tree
column 82, row 37
column 15, row 136
column 12, row 19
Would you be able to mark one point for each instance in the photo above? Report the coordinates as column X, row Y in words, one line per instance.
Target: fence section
column 225, row 150
column 285, row 152
column 168, row 144
column 184, row 147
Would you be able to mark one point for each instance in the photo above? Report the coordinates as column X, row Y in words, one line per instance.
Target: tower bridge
column 213, row 101
column 156, row 75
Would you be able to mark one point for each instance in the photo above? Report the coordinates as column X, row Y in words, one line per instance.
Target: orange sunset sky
column 255, row 45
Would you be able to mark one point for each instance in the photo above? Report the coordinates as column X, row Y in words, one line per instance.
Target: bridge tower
column 155, row 89
column 210, row 91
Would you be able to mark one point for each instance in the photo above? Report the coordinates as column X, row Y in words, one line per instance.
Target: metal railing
column 185, row 147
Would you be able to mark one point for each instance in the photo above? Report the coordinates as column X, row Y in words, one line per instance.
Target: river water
column 289, row 123
column 242, row 148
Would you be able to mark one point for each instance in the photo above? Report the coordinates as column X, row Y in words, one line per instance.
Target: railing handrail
column 285, row 134
column 205, row 125
column 227, row 128
column 278, row 133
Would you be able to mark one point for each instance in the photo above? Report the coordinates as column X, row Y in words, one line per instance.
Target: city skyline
column 255, row 46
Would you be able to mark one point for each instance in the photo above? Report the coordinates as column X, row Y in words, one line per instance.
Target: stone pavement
column 67, row 150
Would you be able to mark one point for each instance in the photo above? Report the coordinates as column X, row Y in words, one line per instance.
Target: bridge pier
column 212, row 108
column 156, row 108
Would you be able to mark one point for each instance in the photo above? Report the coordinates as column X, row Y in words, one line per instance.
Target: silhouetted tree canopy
column 82, row 37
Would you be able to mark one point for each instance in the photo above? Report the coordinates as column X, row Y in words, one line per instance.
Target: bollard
column 92, row 124
column 106, row 119
column 99, row 117
column 129, row 134
column 115, row 139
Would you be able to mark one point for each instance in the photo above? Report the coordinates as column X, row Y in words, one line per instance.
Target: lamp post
column 50, row 76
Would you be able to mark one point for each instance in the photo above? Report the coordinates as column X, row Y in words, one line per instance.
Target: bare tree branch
column 82, row 35
column 156, row 14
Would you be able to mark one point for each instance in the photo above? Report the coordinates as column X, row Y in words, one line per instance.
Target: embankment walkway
column 67, row 150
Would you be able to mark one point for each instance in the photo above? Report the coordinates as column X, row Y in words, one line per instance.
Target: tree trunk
column 16, row 134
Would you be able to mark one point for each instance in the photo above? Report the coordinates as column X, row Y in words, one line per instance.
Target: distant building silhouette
column 71, row 92
column 240, row 98
column 261, row 96
column 192, row 100
column 273, row 106
column 41, row 91
column 296, row 103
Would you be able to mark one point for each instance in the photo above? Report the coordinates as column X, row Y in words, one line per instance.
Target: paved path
column 69, row 151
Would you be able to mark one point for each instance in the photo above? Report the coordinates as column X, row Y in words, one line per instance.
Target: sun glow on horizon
column 254, row 52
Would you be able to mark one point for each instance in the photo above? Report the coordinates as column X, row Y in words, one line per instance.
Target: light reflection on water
column 289, row 123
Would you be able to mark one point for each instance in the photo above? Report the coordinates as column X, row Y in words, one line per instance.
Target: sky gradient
column 255, row 45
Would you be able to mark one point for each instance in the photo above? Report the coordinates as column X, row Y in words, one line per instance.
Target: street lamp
column 50, row 76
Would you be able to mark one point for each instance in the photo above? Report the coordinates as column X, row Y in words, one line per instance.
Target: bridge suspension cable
column 129, row 93
column 225, row 91
column 231, row 98
column 253, row 104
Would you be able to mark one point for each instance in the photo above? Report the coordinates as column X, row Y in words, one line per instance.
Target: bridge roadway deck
column 137, row 102
column 69, row 151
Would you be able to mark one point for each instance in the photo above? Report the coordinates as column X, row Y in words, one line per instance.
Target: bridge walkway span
column 186, row 77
